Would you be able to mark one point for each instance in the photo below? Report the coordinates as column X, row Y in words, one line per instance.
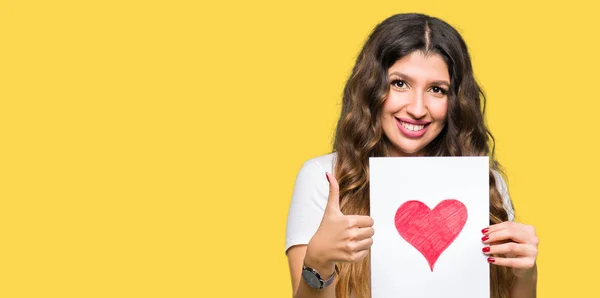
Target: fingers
column 506, row 234
column 357, row 246
column 509, row 225
column 515, row 242
column 351, row 235
column 356, row 250
column 357, row 256
column 510, row 248
column 364, row 244
column 509, row 231
column 516, row 263
column 357, row 235
column 333, row 203
column 364, row 233
column 359, row 221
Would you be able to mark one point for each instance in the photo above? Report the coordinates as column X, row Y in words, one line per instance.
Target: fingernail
column 484, row 238
column 485, row 230
column 491, row 260
column 327, row 175
column 486, row 249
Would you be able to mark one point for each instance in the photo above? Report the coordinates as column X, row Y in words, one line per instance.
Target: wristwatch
column 314, row 280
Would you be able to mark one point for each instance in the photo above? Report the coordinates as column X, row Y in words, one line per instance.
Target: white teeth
column 412, row 127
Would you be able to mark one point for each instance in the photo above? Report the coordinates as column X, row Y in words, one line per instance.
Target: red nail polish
column 484, row 238
column 485, row 230
column 491, row 260
column 486, row 249
column 327, row 175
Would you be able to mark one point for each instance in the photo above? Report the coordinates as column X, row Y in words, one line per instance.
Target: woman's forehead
column 418, row 66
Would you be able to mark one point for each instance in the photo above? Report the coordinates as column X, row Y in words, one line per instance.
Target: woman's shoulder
column 503, row 190
column 500, row 182
column 312, row 174
column 320, row 164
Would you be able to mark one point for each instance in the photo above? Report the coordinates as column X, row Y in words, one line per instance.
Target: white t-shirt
column 310, row 198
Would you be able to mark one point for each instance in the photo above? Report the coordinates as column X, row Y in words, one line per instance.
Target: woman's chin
column 410, row 151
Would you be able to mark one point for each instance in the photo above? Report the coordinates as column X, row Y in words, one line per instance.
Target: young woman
column 411, row 93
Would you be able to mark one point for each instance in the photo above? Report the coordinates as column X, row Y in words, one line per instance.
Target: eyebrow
column 408, row 78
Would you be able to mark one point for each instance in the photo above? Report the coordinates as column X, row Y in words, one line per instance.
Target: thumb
column 333, row 203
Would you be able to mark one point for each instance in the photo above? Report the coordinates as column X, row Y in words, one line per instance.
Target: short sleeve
column 307, row 206
column 503, row 190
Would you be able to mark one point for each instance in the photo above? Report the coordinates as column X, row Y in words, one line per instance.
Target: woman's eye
column 438, row 90
column 399, row 83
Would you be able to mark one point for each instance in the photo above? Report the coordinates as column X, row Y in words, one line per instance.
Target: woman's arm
column 296, row 256
column 525, row 285
column 339, row 238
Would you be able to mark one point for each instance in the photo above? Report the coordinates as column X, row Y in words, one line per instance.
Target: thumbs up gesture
column 340, row 238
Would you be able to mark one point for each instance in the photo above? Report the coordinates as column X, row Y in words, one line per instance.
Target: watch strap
column 330, row 279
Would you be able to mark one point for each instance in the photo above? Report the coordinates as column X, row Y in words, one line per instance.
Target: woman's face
column 414, row 112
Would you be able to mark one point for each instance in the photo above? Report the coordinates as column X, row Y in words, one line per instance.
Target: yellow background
column 150, row 148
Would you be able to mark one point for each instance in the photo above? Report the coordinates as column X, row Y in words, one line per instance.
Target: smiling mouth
column 412, row 127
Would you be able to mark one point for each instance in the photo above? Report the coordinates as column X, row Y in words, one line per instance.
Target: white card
column 429, row 213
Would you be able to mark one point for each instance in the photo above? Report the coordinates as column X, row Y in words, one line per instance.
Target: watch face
column 311, row 279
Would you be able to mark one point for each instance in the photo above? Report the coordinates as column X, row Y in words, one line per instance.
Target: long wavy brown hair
column 359, row 134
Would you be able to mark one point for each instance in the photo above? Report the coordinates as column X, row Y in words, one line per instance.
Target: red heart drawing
column 431, row 231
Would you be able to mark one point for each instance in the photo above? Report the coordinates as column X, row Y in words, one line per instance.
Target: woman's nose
column 416, row 107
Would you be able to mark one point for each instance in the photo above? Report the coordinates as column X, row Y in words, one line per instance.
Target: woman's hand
column 340, row 238
column 518, row 242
